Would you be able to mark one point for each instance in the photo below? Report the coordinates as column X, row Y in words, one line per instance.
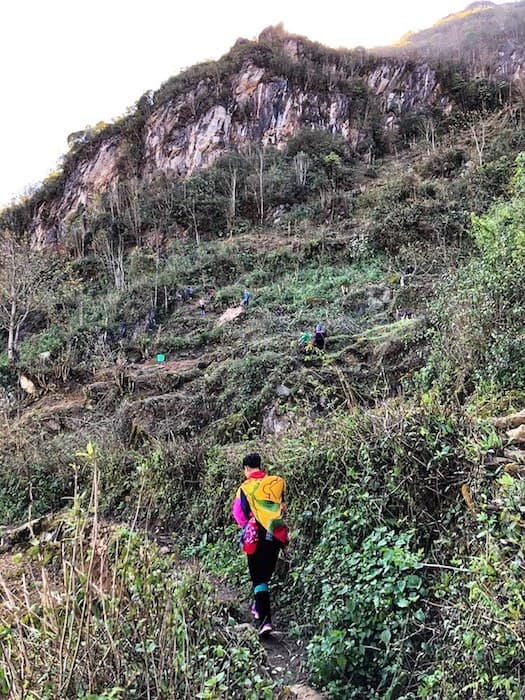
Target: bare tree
column 301, row 165
column 477, row 128
column 109, row 242
column 256, row 180
column 129, row 192
column 164, row 202
column 518, row 97
column 21, row 286
column 78, row 232
column 190, row 205
column 232, row 198
column 428, row 129
column 260, row 176
column 232, row 178
column 109, row 246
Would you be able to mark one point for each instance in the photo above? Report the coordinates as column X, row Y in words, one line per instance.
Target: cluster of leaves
column 435, row 202
column 369, row 610
column 36, row 479
column 481, row 602
column 409, row 210
column 477, row 94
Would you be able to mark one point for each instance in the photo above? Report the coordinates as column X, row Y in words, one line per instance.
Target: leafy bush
column 408, row 211
column 49, row 340
column 480, row 603
column 444, row 163
column 36, row 479
column 368, row 608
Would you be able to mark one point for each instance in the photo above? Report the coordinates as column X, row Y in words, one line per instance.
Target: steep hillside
column 380, row 197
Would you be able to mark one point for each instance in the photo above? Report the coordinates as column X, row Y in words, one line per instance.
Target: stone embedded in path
column 27, row 385
column 513, row 420
column 230, row 315
column 517, row 435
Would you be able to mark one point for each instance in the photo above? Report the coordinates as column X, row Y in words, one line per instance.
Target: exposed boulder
column 300, row 691
column 275, row 421
column 27, row 385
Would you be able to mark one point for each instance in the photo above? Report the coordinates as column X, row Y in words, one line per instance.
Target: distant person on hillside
column 188, row 293
column 211, row 296
column 258, row 509
column 319, row 337
column 246, row 298
column 202, row 306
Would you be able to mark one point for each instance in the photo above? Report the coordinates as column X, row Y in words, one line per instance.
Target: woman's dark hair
column 252, row 460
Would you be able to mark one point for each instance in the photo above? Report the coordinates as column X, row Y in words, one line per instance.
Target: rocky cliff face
column 88, row 178
column 276, row 111
column 511, row 61
column 261, row 108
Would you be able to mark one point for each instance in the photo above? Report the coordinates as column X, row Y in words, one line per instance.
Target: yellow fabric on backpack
column 265, row 497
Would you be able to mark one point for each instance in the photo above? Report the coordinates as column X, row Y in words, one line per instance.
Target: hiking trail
column 285, row 655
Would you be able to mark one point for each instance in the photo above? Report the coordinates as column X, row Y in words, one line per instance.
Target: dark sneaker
column 254, row 612
column 265, row 629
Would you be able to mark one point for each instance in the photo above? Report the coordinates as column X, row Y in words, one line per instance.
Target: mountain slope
column 403, row 235
column 260, row 95
column 485, row 38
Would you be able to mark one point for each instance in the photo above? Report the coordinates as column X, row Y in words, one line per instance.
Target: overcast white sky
column 69, row 63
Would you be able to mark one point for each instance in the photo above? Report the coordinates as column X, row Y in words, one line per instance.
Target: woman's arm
column 241, row 509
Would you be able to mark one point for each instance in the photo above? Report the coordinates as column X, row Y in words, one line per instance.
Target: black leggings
column 261, row 565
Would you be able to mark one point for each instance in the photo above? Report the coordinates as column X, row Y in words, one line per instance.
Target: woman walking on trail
column 258, row 509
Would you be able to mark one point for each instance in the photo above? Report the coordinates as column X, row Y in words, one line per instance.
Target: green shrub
column 369, row 605
column 36, row 478
column 403, row 211
column 479, row 316
column 50, row 340
column 480, row 607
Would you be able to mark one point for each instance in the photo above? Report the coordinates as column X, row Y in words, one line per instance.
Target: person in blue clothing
column 246, row 298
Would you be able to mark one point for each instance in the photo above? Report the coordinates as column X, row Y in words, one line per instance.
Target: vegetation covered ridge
column 462, row 81
column 133, row 380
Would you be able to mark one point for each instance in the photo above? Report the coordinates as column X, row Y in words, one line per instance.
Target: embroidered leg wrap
column 262, row 602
